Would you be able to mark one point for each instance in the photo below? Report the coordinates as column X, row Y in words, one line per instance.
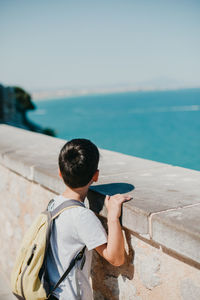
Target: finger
column 120, row 200
column 125, row 198
column 120, row 196
column 129, row 197
column 106, row 199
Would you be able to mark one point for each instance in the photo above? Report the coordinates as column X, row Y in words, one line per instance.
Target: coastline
column 47, row 95
column 156, row 125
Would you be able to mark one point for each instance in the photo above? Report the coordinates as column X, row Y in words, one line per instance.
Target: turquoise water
column 163, row 126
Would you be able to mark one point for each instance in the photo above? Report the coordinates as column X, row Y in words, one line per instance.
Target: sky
column 47, row 44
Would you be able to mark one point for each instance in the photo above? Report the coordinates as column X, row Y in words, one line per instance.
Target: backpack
column 29, row 277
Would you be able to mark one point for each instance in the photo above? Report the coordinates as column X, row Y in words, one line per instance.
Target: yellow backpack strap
column 65, row 205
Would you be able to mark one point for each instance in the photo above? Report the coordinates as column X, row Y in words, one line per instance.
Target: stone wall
column 161, row 224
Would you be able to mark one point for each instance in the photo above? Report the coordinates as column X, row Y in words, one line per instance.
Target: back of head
column 78, row 162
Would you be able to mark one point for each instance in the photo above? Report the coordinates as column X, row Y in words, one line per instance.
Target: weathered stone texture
column 21, row 201
column 189, row 290
column 148, row 274
column 158, row 275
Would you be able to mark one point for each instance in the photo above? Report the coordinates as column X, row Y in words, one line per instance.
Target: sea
column 163, row 126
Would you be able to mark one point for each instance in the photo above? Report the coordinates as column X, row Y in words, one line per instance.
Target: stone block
column 19, row 163
column 179, row 230
column 21, row 150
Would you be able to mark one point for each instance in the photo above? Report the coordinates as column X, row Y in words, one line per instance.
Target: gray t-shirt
column 71, row 231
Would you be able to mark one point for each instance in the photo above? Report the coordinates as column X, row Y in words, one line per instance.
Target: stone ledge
column 160, row 191
column 179, row 229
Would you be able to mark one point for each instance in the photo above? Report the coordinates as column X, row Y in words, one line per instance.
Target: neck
column 76, row 194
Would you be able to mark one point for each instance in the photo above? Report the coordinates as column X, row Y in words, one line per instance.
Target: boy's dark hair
column 78, row 162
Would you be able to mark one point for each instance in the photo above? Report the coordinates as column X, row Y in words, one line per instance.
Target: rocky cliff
column 14, row 103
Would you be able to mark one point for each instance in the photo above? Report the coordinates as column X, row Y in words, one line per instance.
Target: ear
column 95, row 176
column 59, row 173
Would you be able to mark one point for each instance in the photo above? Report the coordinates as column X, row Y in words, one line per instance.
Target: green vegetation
column 49, row 131
column 23, row 99
column 24, row 103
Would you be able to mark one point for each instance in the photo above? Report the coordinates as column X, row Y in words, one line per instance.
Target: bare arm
column 114, row 251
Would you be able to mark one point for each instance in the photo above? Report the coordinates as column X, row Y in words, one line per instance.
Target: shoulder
column 86, row 214
column 84, row 218
column 79, row 214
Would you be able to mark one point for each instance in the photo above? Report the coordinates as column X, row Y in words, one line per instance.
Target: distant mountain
column 161, row 83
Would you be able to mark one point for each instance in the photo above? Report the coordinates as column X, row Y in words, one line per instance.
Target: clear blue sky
column 52, row 44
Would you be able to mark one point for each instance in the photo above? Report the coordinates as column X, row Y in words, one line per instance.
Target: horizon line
column 75, row 92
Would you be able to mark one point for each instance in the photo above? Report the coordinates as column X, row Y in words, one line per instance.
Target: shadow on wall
column 97, row 193
column 108, row 275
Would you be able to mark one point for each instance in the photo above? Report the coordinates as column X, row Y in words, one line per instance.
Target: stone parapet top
column 166, row 199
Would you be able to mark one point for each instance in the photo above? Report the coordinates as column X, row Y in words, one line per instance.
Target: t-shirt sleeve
column 90, row 230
